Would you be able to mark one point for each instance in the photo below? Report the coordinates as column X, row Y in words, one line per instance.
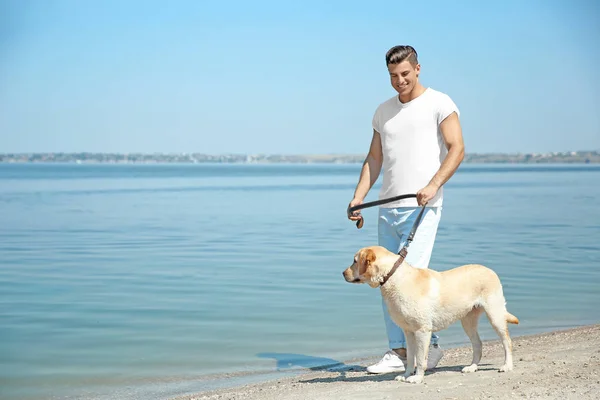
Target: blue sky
column 290, row 77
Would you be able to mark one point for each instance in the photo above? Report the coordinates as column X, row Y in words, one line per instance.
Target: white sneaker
column 434, row 356
column 390, row 362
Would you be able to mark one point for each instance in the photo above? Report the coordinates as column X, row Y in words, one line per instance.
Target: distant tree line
column 150, row 158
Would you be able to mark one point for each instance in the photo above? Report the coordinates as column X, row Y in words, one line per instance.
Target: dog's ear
column 368, row 271
column 366, row 259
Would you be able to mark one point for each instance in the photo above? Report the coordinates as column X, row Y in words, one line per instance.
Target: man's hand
column 427, row 193
column 356, row 215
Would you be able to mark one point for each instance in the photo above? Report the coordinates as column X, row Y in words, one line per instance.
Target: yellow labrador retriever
column 422, row 301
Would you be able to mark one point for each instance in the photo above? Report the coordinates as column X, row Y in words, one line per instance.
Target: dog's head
column 366, row 267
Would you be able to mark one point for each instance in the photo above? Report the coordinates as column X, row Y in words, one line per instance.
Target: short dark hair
column 398, row 54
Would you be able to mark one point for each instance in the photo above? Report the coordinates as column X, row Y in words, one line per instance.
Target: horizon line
column 271, row 154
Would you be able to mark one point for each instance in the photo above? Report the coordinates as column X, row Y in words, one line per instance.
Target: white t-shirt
column 412, row 143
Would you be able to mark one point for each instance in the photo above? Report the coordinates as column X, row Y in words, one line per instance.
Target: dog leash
column 360, row 222
column 403, row 251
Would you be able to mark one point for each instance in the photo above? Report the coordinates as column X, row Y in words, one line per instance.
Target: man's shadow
column 290, row 361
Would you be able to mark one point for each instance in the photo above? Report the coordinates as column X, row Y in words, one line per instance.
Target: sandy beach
column 557, row 365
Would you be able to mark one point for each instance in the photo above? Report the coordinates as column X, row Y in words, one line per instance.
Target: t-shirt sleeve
column 377, row 120
column 446, row 107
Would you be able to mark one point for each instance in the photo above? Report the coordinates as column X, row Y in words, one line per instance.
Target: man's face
column 404, row 76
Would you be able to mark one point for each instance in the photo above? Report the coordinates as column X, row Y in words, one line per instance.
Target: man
column 417, row 140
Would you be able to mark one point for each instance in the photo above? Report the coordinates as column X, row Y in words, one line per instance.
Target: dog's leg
column 421, row 341
column 496, row 312
column 469, row 323
column 410, row 356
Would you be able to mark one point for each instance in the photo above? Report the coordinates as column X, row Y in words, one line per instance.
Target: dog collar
column 397, row 264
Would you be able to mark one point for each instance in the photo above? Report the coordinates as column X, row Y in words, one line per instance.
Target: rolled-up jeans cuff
column 397, row 345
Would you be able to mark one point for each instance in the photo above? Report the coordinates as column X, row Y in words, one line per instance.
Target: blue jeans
column 393, row 229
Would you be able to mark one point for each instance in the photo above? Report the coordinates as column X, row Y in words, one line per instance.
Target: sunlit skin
column 404, row 78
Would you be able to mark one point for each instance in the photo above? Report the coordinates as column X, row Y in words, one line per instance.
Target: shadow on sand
column 342, row 377
column 291, row 361
column 286, row 361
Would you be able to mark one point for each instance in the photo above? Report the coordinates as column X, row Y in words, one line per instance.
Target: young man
column 417, row 140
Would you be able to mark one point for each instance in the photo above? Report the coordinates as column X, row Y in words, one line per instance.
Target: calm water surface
column 121, row 281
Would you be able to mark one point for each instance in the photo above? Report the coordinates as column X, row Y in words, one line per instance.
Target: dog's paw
column 415, row 379
column 404, row 377
column 470, row 368
column 506, row 368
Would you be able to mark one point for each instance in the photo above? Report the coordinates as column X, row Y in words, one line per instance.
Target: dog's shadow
column 342, row 377
column 293, row 361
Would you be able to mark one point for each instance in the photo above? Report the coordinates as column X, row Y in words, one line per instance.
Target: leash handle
column 360, row 222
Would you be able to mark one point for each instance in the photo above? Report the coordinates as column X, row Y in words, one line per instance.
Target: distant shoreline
column 572, row 157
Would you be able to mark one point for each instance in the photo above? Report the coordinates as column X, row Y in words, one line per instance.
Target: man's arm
column 452, row 134
column 369, row 173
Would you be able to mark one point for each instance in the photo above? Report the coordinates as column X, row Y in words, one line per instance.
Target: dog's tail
column 511, row 319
